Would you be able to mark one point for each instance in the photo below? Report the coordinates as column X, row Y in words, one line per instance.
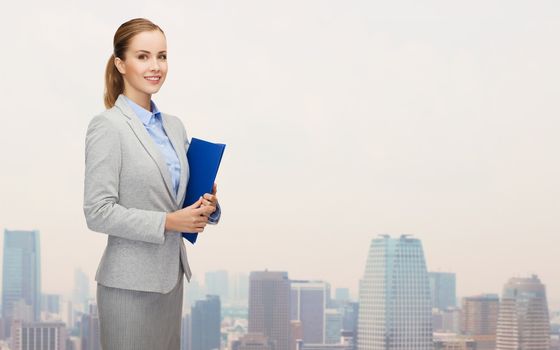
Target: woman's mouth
column 153, row 79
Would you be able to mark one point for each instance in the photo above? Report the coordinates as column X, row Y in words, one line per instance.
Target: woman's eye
column 142, row 57
column 163, row 57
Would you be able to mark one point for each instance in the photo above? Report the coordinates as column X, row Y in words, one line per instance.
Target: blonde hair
column 114, row 82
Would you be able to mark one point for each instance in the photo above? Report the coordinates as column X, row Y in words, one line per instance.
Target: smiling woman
column 135, row 181
column 140, row 55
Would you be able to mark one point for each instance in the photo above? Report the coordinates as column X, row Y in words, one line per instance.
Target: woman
column 135, row 179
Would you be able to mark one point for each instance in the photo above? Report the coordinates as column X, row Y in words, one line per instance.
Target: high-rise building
column 308, row 302
column 349, row 311
column 89, row 329
column 447, row 320
column 523, row 320
column 296, row 334
column 269, row 306
column 38, row 335
column 21, row 274
column 480, row 318
column 205, row 324
column 342, row 294
column 240, row 289
column 442, row 289
column 80, row 295
column 333, row 326
column 217, row 283
column 50, row 303
column 395, row 302
column 191, row 293
column 186, row 332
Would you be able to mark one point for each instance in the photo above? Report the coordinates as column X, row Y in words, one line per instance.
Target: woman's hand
column 189, row 219
column 210, row 200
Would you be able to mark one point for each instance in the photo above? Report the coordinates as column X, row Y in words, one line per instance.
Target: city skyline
column 432, row 119
column 395, row 303
column 232, row 278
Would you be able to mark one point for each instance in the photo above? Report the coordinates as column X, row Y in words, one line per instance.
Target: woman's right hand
column 189, row 219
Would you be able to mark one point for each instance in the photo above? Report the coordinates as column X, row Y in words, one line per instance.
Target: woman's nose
column 155, row 65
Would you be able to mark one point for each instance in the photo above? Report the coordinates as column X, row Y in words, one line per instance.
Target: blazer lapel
column 142, row 135
column 176, row 138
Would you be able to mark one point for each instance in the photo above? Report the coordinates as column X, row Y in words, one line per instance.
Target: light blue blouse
column 154, row 125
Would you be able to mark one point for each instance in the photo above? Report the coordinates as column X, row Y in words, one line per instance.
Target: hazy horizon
column 343, row 121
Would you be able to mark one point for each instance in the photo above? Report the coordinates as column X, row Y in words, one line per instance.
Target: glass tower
column 21, row 275
column 395, row 302
column 442, row 286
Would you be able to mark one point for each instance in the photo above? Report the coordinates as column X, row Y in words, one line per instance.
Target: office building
column 186, row 332
column 446, row 321
column 50, row 303
column 342, row 294
column 80, row 294
column 89, row 329
column 442, row 290
column 192, row 292
column 333, row 326
column 395, row 303
column 240, row 289
column 205, row 324
column 38, row 336
column 480, row 319
column 309, row 301
column 217, row 283
column 523, row 320
column 21, row 275
column 269, row 306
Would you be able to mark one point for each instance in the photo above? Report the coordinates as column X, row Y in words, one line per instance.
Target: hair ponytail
column 114, row 81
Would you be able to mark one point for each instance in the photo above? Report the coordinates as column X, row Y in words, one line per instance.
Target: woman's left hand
column 210, row 199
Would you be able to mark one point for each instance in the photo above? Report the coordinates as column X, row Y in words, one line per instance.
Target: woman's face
column 145, row 64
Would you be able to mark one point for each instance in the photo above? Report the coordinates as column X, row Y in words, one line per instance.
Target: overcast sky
column 343, row 120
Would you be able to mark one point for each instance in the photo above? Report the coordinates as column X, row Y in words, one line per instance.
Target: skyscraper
column 333, row 326
column 80, row 295
column 342, row 294
column 309, row 299
column 395, row 303
column 205, row 324
column 349, row 312
column 186, row 332
column 89, row 329
column 442, row 288
column 480, row 318
column 21, row 274
column 240, row 289
column 191, row 293
column 269, row 306
column 217, row 283
column 50, row 303
column 523, row 321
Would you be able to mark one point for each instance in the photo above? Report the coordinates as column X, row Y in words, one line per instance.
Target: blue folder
column 204, row 160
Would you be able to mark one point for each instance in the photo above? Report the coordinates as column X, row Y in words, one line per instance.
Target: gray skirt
column 136, row 320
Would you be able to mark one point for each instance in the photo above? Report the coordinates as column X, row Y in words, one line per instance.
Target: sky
column 343, row 120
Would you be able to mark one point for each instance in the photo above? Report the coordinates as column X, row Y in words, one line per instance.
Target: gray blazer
column 127, row 192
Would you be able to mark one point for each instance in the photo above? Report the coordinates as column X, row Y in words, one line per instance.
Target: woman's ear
column 120, row 65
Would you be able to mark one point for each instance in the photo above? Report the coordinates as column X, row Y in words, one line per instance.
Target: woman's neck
column 141, row 99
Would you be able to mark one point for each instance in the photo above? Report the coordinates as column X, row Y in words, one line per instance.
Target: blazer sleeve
column 101, row 190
